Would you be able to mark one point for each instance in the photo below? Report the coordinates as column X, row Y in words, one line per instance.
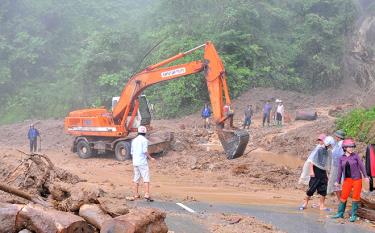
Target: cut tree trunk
column 72, row 197
column 140, row 220
column 94, row 215
column 367, row 203
column 19, row 193
column 366, row 213
column 8, row 215
column 45, row 220
column 113, row 207
column 306, row 115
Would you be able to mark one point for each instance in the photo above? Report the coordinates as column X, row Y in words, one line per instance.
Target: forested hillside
column 56, row 56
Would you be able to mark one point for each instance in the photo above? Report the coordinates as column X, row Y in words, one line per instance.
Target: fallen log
column 94, row 215
column 45, row 220
column 19, row 193
column 113, row 207
column 142, row 220
column 306, row 115
column 366, row 213
column 72, row 197
column 367, row 203
column 8, row 215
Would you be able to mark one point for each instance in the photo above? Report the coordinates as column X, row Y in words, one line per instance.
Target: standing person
column 248, row 115
column 319, row 164
column 229, row 114
column 370, row 165
column 206, row 114
column 140, row 155
column 279, row 113
column 351, row 167
column 267, row 113
column 337, row 152
column 33, row 135
column 305, row 175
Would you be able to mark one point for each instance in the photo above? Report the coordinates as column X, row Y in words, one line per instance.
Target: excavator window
column 144, row 110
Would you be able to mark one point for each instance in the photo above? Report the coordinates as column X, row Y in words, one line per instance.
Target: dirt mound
column 299, row 141
column 200, row 150
column 294, row 100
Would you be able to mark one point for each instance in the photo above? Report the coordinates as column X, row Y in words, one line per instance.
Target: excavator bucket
column 234, row 142
column 160, row 142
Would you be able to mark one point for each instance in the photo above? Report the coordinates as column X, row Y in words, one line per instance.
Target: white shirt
column 280, row 109
column 139, row 150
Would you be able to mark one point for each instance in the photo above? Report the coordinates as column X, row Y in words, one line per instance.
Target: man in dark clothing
column 33, row 135
column 229, row 114
column 267, row 113
column 248, row 114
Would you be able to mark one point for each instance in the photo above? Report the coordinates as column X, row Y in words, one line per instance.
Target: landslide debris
column 50, row 186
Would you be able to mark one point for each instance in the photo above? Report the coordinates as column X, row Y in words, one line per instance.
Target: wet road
column 284, row 218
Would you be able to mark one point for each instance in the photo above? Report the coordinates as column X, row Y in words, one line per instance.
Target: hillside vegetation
column 56, row 56
column 359, row 124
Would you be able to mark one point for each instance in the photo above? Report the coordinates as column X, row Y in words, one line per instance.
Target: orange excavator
column 98, row 130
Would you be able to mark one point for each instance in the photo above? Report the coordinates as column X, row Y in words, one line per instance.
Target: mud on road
column 196, row 168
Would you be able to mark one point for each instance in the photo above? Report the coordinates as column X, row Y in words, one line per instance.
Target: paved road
column 284, row 218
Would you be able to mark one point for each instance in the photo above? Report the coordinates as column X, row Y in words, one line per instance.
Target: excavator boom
column 120, row 122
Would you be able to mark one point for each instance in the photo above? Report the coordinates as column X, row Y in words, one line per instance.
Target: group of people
column 248, row 114
column 334, row 167
column 278, row 115
column 206, row 115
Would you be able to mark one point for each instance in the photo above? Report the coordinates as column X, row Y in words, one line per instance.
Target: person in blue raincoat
column 33, row 135
column 206, row 114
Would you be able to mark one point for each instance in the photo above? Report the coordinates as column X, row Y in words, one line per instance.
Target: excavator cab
column 115, row 99
column 144, row 110
column 143, row 116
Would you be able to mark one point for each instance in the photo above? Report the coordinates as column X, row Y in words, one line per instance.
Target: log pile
column 56, row 201
column 36, row 218
column 367, row 209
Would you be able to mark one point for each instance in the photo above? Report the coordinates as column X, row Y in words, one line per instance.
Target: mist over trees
column 56, row 56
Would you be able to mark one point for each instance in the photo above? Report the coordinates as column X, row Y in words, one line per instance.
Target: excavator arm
column 214, row 72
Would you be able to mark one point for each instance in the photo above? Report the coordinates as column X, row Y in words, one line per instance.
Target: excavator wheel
column 122, row 151
column 83, row 149
column 234, row 142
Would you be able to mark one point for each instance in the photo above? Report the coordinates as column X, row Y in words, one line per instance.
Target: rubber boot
column 354, row 211
column 340, row 210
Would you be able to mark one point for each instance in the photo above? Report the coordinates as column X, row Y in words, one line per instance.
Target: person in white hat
column 279, row 112
column 140, row 155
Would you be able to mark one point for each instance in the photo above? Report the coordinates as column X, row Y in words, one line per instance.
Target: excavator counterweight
column 99, row 130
